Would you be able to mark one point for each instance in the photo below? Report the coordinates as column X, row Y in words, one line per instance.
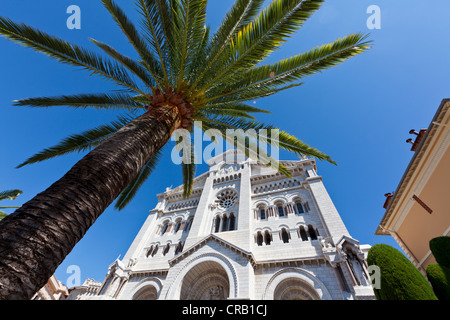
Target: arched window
column 177, row 226
column 280, row 209
column 299, row 207
column 259, row 238
column 262, row 213
column 267, row 237
column 179, row 247
column 155, row 251
column 188, row 224
column 149, row 251
column 224, row 223
column 303, row 234
column 164, row 228
column 232, row 222
column 312, row 233
column 166, row 249
column 284, row 235
column 217, row 224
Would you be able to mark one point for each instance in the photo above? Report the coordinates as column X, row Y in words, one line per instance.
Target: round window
column 227, row 198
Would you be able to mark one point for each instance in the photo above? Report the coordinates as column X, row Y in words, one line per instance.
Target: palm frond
column 247, row 142
column 185, row 147
column 263, row 35
column 149, row 61
column 66, row 53
column 127, row 195
column 10, row 194
column 79, row 142
column 282, row 139
column 297, row 67
column 188, row 171
column 239, row 15
column 197, row 63
column 154, row 30
column 246, row 95
column 189, row 18
column 231, row 109
column 136, row 68
column 98, row 101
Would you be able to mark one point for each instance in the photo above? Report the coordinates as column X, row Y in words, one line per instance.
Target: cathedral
column 246, row 232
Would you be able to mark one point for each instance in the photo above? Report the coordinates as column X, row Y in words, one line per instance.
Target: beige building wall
column 419, row 210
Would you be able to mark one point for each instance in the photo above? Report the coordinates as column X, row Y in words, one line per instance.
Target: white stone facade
column 246, row 232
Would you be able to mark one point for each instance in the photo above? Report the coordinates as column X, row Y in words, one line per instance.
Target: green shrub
column 440, row 247
column 399, row 278
column 439, row 277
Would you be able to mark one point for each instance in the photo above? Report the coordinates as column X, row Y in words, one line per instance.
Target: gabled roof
column 187, row 252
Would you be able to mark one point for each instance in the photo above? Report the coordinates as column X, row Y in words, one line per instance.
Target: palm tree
column 11, row 195
column 184, row 72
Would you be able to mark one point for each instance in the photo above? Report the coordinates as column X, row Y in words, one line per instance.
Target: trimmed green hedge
column 440, row 247
column 399, row 279
column 439, row 277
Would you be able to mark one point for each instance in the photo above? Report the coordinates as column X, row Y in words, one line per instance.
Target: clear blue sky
column 359, row 112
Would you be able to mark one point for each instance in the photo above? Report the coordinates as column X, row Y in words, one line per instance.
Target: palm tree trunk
column 36, row 238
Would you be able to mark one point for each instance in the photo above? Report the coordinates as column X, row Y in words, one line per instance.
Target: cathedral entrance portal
column 294, row 289
column 205, row 281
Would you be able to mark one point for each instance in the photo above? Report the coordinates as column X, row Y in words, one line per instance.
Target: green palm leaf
column 243, row 141
column 10, row 194
column 252, row 93
column 98, row 101
column 263, row 35
column 231, row 109
column 189, row 28
column 79, row 142
column 149, row 61
column 153, row 27
column 66, row 52
column 284, row 140
column 239, row 15
column 188, row 171
column 135, row 67
column 296, row 67
column 185, row 147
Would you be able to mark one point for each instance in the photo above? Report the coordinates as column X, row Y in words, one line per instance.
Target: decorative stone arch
column 147, row 289
column 174, row 292
column 164, row 226
column 178, row 221
column 279, row 198
column 185, row 215
column 261, row 205
column 283, row 225
column 298, row 199
column 261, row 202
column 295, row 283
column 298, row 196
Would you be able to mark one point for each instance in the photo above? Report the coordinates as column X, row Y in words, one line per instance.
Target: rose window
column 227, row 198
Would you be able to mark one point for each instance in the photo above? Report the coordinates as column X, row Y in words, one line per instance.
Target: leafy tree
column 439, row 277
column 439, row 274
column 184, row 72
column 399, row 279
column 11, row 195
column 440, row 247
